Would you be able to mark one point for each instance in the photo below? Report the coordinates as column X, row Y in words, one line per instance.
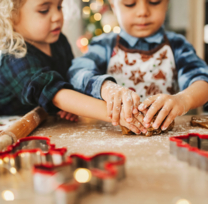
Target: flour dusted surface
column 153, row 175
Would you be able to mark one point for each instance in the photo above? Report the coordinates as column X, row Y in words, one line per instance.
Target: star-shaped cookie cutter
column 66, row 177
column 191, row 148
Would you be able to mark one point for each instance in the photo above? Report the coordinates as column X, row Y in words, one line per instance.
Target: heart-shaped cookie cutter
column 191, row 148
column 54, row 171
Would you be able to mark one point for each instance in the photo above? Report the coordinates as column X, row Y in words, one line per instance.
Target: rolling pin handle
column 5, row 141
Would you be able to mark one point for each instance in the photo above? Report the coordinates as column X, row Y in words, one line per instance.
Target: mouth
column 142, row 25
column 56, row 30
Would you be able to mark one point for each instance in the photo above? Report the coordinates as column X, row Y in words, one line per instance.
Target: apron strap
column 150, row 52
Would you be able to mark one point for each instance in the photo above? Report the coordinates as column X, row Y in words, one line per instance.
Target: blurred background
column 87, row 18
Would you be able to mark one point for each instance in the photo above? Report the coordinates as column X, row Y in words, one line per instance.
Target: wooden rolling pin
column 22, row 128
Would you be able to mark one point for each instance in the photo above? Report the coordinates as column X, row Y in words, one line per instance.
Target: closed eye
column 155, row 2
column 44, row 11
column 130, row 5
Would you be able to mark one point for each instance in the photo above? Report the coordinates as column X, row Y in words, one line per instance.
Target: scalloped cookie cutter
column 191, row 148
column 56, row 173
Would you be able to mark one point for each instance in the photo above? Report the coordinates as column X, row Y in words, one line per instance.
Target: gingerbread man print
column 116, row 69
column 153, row 89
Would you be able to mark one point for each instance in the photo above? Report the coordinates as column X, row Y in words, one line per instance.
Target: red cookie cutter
column 191, row 148
column 54, row 171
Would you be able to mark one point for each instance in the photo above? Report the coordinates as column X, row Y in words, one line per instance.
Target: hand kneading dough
column 150, row 131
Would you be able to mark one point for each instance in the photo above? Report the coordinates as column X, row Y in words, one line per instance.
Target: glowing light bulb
column 116, row 29
column 107, row 28
column 97, row 16
column 13, row 170
column 82, row 175
column 7, row 195
column 183, row 201
column 1, row 161
column 84, row 41
column 85, row 0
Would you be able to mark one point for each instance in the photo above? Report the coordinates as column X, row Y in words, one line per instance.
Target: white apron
column 145, row 72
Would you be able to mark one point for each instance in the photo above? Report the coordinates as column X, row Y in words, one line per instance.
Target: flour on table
column 7, row 121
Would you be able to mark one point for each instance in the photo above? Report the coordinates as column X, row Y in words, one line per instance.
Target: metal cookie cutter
column 28, row 152
column 66, row 177
column 191, row 148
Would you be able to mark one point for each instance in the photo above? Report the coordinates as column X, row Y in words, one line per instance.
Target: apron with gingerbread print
column 145, row 72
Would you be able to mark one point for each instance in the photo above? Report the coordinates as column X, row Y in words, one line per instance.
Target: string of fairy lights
column 98, row 18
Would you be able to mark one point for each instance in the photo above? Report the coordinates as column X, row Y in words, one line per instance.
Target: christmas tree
column 98, row 18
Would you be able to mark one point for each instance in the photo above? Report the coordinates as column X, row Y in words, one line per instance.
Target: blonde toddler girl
column 35, row 58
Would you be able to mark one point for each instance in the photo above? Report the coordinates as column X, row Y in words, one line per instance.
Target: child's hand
column 115, row 96
column 169, row 107
column 135, row 125
column 68, row 116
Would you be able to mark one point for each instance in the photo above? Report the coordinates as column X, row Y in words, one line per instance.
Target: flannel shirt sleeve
column 88, row 72
column 30, row 82
column 189, row 66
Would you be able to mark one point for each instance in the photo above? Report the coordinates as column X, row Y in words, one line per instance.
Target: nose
column 143, row 8
column 57, row 15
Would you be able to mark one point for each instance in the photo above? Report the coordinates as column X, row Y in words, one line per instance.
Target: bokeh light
column 116, row 29
column 84, row 41
column 93, row 6
column 183, row 201
column 13, row 170
column 12, row 161
column 101, row 2
column 6, row 159
column 8, row 195
column 97, row 16
column 98, row 31
column 82, row 175
column 86, row 10
column 107, row 28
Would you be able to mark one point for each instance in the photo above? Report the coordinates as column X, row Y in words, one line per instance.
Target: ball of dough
column 150, row 131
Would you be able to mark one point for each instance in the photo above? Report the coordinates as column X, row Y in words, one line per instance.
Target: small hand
column 68, row 116
column 168, row 108
column 135, row 125
column 115, row 96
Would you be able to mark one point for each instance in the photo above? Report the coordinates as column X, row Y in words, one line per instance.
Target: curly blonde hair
column 11, row 42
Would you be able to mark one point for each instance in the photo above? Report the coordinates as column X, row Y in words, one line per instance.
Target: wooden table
column 153, row 175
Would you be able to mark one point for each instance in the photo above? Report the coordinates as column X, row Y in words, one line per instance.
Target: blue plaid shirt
column 88, row 72
column 34, row 79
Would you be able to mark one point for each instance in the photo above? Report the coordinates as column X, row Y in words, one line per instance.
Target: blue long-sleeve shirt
column 88, row 72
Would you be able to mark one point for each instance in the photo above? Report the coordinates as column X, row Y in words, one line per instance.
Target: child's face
column 40, row 21
column 140, row 18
